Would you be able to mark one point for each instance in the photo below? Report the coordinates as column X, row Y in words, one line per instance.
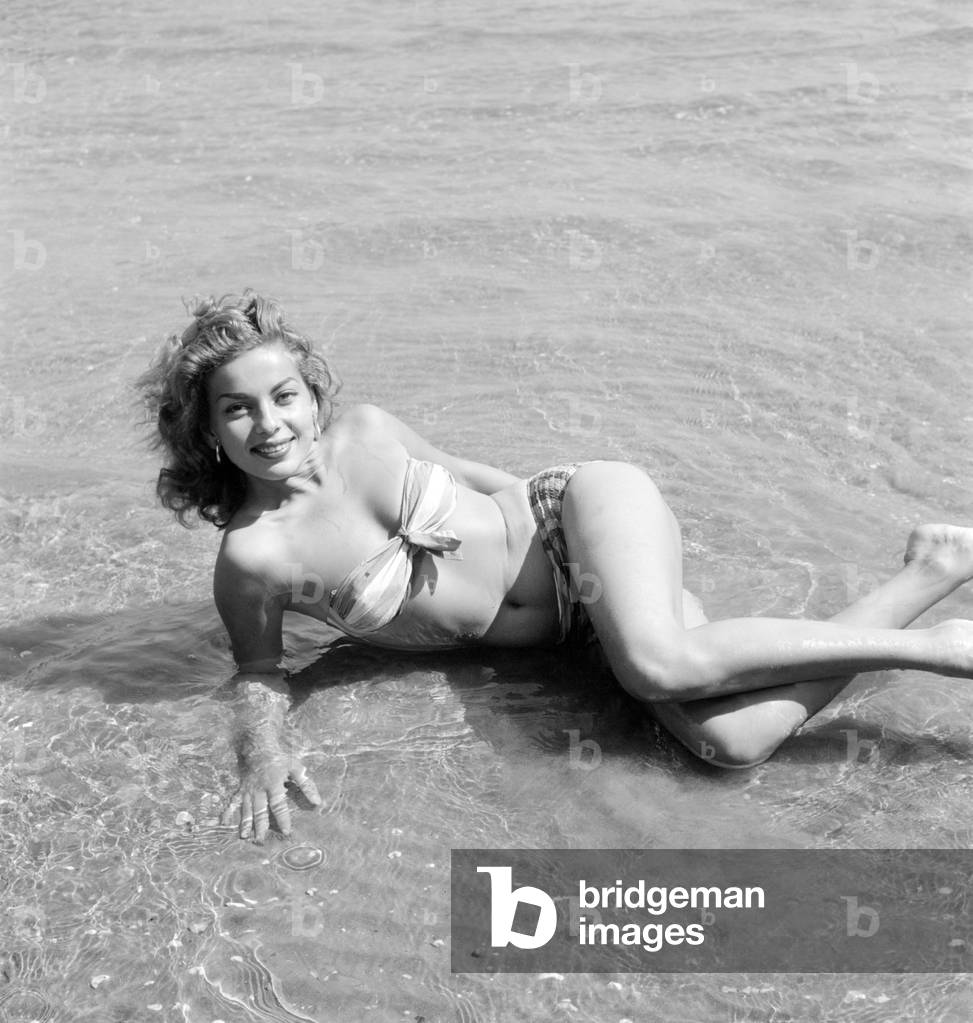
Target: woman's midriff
column 528, row 614
column 501, row 592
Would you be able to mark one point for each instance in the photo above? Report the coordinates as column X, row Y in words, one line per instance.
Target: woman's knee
column 730, row 741
column 664, row 668
column 716, row 740
column 732, row 753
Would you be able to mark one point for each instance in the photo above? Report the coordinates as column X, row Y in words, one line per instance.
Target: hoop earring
column 217, row 452
column 317, row 429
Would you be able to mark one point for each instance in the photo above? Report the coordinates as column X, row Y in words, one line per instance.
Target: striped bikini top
column 374, row 592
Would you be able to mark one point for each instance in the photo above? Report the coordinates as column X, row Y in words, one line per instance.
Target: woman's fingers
column 246, row 815
column 281, row 811
column 261, row 815
column 303, row 781
column 258, row 803
column 228, row 815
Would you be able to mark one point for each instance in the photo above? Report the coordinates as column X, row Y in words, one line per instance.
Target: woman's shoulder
column 383, row 436
column 365, row 443
column 366, row 463
column 364, row 419
column 248, row 552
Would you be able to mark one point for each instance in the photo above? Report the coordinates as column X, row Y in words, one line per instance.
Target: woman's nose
column 266, row 421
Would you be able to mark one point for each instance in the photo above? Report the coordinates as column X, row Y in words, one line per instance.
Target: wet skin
column 731, row 690
column 316, row 507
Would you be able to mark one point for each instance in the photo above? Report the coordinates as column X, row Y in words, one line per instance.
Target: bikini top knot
column 444, row 540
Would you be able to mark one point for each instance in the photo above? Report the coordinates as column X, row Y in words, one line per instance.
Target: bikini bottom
column 545, row 493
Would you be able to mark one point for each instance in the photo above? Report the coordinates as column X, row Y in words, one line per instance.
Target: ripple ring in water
column 303, row 857
column 25, row 1005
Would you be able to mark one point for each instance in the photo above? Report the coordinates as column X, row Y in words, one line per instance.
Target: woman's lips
column 272, row 450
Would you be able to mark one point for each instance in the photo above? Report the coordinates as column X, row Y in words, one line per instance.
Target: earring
column 217, row 452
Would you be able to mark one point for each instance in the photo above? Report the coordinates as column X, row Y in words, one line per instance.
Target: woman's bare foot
column 946, row 549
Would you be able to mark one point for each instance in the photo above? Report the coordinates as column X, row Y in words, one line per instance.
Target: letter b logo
column 504, row 900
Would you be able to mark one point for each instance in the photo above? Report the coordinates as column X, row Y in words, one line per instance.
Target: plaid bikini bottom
column 545, row 492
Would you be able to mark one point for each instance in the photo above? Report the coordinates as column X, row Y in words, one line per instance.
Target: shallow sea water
column 728, row 243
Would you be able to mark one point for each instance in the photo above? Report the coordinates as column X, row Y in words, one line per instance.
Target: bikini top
column 373, row 593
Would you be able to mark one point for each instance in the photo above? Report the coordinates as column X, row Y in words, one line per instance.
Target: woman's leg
column 743, row 729
column 776, row 672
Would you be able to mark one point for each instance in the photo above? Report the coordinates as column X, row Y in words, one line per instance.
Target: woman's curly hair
column 174, row 390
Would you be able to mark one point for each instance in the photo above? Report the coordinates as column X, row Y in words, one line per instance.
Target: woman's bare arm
column 253, row 615
column 483, row 478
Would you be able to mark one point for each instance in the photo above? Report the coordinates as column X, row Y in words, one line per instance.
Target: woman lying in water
column 361, row 523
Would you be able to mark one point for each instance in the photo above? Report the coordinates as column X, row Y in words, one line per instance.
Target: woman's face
column 262, row 413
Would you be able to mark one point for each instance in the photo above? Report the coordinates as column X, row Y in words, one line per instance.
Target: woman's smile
column 273, row 449
column 262, row 412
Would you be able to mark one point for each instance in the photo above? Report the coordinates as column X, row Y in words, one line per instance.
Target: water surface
column 728, row 243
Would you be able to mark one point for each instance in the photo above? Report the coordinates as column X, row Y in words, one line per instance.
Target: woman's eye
column 232, row 410
column 286, row 396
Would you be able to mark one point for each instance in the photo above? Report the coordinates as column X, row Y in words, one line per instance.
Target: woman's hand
column 264, row 771
column 265, row 764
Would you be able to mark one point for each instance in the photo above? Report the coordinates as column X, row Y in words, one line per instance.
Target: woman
column 360, row 522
